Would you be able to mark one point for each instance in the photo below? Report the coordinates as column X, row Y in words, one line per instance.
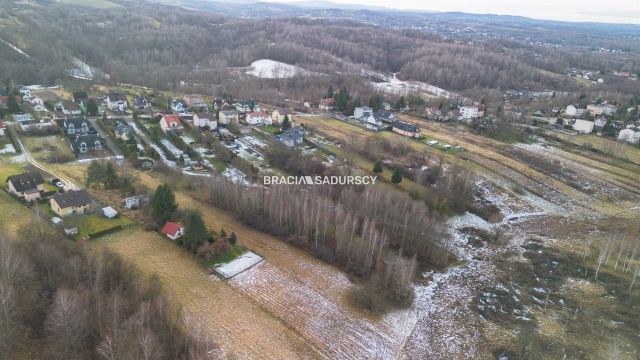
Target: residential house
column 202, row 120
column 70, row 108
column 125, row 132
column 583, row 126
column 179, row 107
column 27, row 186
column 385, row 116
column 39, row 108
column 469, row 112
column 599, row 123
column 25, row 91
column 171, row 123
column 71, row 202
column 220, row 104
column 79, row 96
column 386, row 106
column 328, row 104
column 258, row 118
column 36, row 100
column 571, row 110
column 77, row 125
column 117, row 102
column 362, row 111
column 2, row 128
column 140, row 102
column 609, row 109
column 406, row 129
column 245, row 106
column 86, row 144
column 196, row 101
column 371, row 122
column 278, row 116
column 172, row 230
column 291, row 137
column 630, row 135
column 225, row 117
column 433, row 113
column 310, row 104
column 41, row 124
column 22, row 117
column 595, row 110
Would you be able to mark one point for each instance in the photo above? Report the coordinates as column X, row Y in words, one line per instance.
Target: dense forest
column 162, row 46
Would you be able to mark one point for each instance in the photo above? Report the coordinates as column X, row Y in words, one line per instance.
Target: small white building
column 202, row 120
column 362, row 111
column 573, row 111
column 258, row 118
column 583, row 126
column 469, row 112
column 632, row 136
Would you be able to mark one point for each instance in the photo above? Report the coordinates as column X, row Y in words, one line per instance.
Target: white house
column 117, row 102
column 205, row 120
column 371, row 122
column 573, row 111
column 362, row 111
column 583, row 126
column 468, row 112
column 225, row 117
column 631, row 136
column 258, row 118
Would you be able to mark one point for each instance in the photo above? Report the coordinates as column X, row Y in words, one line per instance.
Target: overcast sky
column 611, row 11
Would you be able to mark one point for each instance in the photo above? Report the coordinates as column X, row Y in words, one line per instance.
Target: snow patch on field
column 271, row 69
column 238, row 265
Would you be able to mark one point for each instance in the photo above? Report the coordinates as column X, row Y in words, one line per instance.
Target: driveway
column 110, row 143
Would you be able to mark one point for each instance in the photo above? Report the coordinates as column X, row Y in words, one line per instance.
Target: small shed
column 56, row 221
column 109, row 212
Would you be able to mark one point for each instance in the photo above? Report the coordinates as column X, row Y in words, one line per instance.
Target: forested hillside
column 160, row 46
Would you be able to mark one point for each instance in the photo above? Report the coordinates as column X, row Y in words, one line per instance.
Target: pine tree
column 92, row 107
column 330, row 93
column 400, row 104
column 110, row 178
column 95, row 172
column 12, row 104
column 163, row 204
column 396, row 178
column 233, row 238
column 195, row 231
column 377, row 167
column 285, row 123
column 342, row 98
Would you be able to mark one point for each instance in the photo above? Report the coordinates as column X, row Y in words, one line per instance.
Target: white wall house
column 631, row 136
column 258, row 118
column 205, row 119
column 362, row 111
column 469, row 112
column 583, row 126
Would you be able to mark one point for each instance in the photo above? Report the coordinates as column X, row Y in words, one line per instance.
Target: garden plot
column 238, row 265
column 334, row 332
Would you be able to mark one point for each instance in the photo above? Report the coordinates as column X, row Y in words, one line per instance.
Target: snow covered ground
column 238, row 265
column 271, row 69
column 8, row 149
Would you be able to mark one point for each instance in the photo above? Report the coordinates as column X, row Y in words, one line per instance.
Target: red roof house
column 171, row 123
column 172, row 230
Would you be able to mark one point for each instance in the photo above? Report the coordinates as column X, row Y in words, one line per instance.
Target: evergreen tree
column 95, row 172
column 330, row 93
column 401, row 104
column 163, row 204
column 110, row 178
column 342, row 98
column 233, row 238
column 285, row 123
column 377, row 167
column 92, row 107
column 357, row 103
column 396, row 178
column 375, row 101
column 12, row 104
column 195, row 231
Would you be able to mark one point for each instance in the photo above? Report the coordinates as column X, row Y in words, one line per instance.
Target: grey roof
column 205, row 115
column 72, row 198
column 292, row 134
column 26, row 181
column 229, row 112
column 77, row 122
column 89, row 139
column 405, row 126
column 117, row 97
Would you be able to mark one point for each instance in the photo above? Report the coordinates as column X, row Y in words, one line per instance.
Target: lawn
column 89, row 223
column 53, row 147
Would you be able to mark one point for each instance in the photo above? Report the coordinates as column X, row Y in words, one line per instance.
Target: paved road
column 110, row 143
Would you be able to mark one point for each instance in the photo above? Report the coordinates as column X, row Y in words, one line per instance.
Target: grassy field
column 605, row 145
column 48, row 147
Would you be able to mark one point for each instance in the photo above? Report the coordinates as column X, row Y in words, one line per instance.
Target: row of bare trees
column 64, row 300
